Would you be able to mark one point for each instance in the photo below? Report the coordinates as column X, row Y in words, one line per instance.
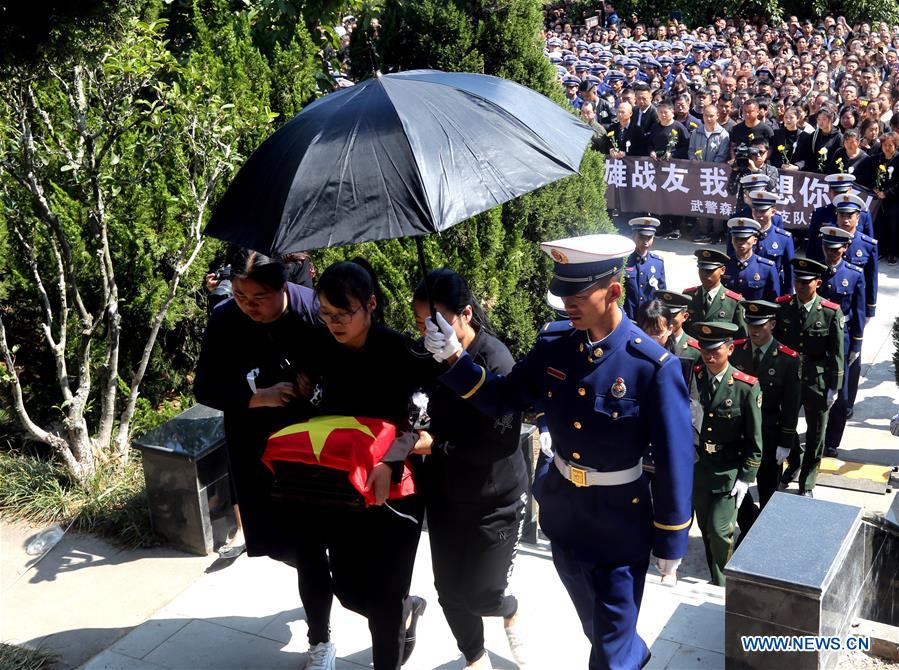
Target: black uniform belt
column 715, row 448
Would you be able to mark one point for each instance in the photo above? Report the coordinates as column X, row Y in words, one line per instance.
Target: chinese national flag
column 349, row 443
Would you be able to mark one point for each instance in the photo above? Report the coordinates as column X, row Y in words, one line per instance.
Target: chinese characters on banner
column 698, row 189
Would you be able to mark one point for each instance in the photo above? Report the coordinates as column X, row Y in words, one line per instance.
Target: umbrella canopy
column 401, row 154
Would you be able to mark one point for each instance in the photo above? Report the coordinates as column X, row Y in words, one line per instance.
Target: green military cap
column 712, row 334
column 805, row 268
column 759, row 311
column 709, row 259
column 674, row 301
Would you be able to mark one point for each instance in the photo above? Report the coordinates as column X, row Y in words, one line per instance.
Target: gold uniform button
column 638, row 340
column 614, row 415
column 576, row 456
column 597, row 352
column 711, row 414
column 549, row 394
column 577, row 425
column 581, row 348
column 635, row 501
column 582, row 391
column 708, row 430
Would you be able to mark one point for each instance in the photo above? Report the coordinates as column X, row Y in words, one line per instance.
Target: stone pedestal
column 800, row 571
column 188, row 486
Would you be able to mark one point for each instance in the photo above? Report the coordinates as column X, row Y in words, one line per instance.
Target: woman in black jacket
column 476, row 480
column 362, row 554
column 252, row 350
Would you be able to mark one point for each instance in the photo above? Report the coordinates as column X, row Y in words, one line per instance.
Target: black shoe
column 703, row 239
column 418, row 608
column 830, row 452
column 806, row 494
column 892, row 261
column 788, row 476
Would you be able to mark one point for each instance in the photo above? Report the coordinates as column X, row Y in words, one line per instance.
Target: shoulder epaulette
column 783, row 298
column 732, row 294
column 784, row 349
column 854, row 267
column 766, row 261
column 868, row 238
column 830, row 305
column 784, row 232
column 692, row 289
column 693, row 343
column 741, row 341
column 743, row 377
column 649, row 348
column 655, row 255
column 554, row 329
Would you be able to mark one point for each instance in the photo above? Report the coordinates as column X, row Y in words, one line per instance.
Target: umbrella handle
column 419, row 245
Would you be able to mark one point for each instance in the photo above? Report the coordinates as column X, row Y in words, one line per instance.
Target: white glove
column 440, row 338
column 831, row 397
column 894, row 425
column 546, row 444
column 668, row 566
column 853, row 356
column 782, row 453
column 739, row 490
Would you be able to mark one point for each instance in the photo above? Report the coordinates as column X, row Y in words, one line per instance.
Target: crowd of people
column 798, row 96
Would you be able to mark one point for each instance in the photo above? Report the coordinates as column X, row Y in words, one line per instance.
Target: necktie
column 756, row 361
column 708, row 299
column 714, row 385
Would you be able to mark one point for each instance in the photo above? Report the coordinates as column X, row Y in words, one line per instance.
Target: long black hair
column 268, row 271
column 447, row 288
column 346, row 280
column 648, row 316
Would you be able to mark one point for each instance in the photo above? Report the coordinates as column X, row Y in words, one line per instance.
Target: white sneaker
column 321, row 657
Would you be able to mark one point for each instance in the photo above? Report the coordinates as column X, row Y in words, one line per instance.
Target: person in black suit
column 645, row 114
column 627, row 139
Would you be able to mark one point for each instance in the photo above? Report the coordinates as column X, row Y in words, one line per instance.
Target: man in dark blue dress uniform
column 747, row 273
column 774, row 243
column 826, row 215
column 843, row 284
column 644, row 271
column 608, row 392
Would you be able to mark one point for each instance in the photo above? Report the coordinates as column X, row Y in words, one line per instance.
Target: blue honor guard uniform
column 644, row 272
column 844, row 284
column 773, row 243
column 604, row 403
column 826, row 215
column 754, row 277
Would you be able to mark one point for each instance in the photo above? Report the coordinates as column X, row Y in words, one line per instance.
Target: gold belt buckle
column 578, row 476
column 711, row 448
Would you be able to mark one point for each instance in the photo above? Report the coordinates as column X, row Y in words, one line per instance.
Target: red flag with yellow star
column 350, row 443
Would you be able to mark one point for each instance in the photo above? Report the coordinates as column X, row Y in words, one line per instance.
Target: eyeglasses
column 339, row 319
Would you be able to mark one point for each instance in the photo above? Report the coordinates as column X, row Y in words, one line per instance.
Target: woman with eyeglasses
column 248, row 363
column 476, row 479
column 362, row 554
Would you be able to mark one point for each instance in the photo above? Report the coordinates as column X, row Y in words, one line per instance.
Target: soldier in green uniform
column 814, row 327
column 726, row 406
column 711, row 301
column 776, row 366
column 683, row 345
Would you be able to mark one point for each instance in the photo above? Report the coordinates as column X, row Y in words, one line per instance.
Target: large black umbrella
column 401, row 154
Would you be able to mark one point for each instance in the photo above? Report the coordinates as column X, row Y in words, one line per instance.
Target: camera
column 223, row 273
column 741, row 158
column 223, row 289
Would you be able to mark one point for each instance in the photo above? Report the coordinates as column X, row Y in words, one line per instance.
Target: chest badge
column 774, row 245
column 653, row 281
column 722, row 313
column 771, row 371
column 858, row 253
column 618, row 388
column 558, row 374
column 845, row 283
column 756, row 276
column 818, row 324
column 653, row 268
column 728, row 402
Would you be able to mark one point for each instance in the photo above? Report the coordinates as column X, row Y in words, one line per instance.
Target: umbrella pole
column 419, row 245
